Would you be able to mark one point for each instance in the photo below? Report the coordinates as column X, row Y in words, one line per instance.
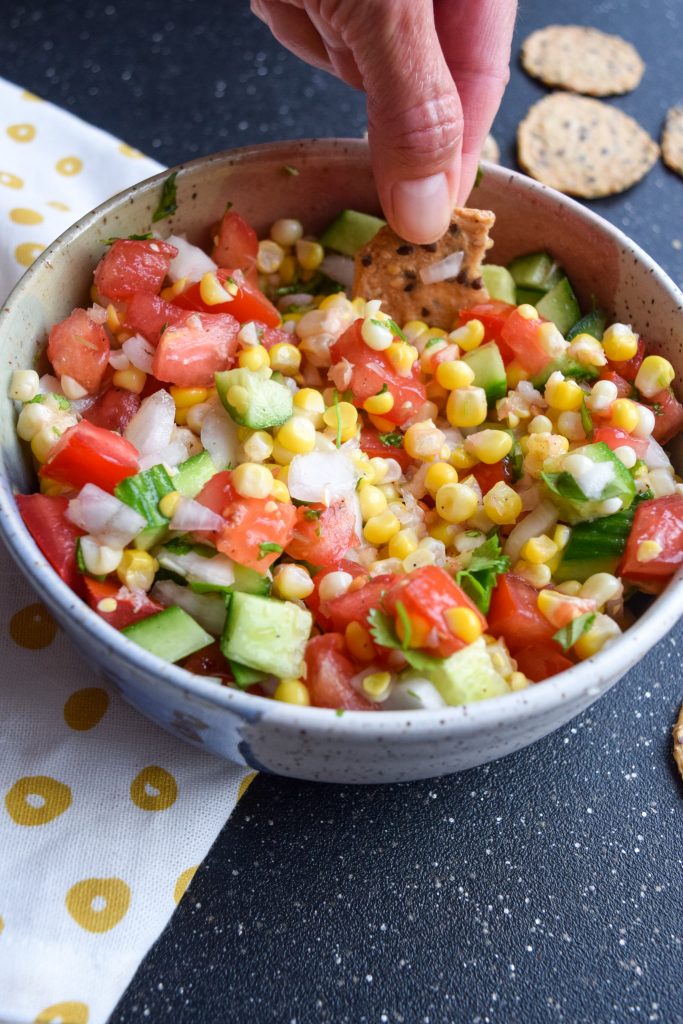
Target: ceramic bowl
column 314, row 743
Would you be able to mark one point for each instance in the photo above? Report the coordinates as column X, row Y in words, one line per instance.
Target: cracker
column 677, row 734
column 490, row 150
column 582, row 60
column 583, row 147
column 672, row 140
column 388, row 268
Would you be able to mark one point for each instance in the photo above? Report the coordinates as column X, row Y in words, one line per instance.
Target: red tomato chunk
column 356, row 605
column 148, row 314
column 113, row 410
column 132, row 266
column 79, row 348
column 236, row 243
column 329, row 672
column 131, row 605
column 190, row 352
column 661, row 521
column 247, row 304
column 323, row 535
column 514, row 614
column 542, row 660
column 55, row 535
column 88, row 454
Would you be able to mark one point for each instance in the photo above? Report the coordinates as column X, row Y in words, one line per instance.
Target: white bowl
column 314, row 743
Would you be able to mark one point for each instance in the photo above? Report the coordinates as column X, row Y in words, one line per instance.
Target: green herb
column 564, row 485
column 516, row 461
column 394, row 439
column 480, row 576
column 312, row 513
column 178, row 546
column 411, row 693
column 569, row 634
column 586, row 420
column 80, row 563
column 480, row 176
column 130, row 238
column 383, row 390
column 337, row 413
column 228, row 207
column 62, row 403
column 395, row 329
column 406, row 623
column 163, row 328
column 167, row 203
column 204, row 550
column 340, row 711
column 432, row 341
column 268, row 547
column 38, row 400
column 288, row 169
column 656, row 408
column 383, row 633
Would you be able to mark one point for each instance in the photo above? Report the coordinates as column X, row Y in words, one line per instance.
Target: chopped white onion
column 219, row 437
column 104, row 517
column 443, row 269
column 340, row 374
column 298, row 299
column 191, row 516
column 339, row 268
column 140, row 352
column 655, row 457
column 414, row 694
column 217, row 570
column 150, row 429
column 324, row 477
column 541, row 520
column 170, row 455
column 118, row 359
column 97, row 314
column 207, row 609
column 49, row 385
column 191, row 261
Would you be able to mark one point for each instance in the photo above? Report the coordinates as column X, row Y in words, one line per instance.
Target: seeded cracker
column 490, row 150
column 583, row 147
column 677, row 734
column 582, row 60
column 388, row 268
column 672, row 140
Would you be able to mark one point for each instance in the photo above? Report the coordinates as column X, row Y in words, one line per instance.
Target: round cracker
column 672, row 140
column 490, row 150
column 677, row 734
column 583, row 147
column 582, row 60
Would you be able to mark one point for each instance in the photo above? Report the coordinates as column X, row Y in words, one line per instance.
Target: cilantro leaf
column 312, row 513
column 384, row 634
column 168, row 202
column 267, row 547
column 394, row 439
column 480, row 176
column 480, row 576
column 406, row 623
column 586, row 420
column 395, row 329
column 130, row 238
column 564, row 485
column 569, row 634
column 288, row 169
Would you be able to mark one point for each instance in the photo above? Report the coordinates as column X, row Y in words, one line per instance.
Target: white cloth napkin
column 104, row 817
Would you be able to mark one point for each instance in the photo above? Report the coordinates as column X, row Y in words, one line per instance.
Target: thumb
column 415, row 122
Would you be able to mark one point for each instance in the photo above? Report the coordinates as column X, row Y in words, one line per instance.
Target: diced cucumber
column 143, row 492
column 266, row 634
column 528, row 295
column 171, row 634
column 499, row 283
column 350, row 231
column 581, row 498
column 595, row 546
column 581, row 569
column 488, row 367
column 217, row 570
column 248, row 581
column 193, row 474
column 260, row 403
column 568, row 367
column 560, row 305
column 207, row 609
column 593, row 323
column 467, row 676
column 536, row 270
column 245, row 676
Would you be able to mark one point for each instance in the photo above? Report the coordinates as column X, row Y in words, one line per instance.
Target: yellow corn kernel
column 443, row 531
column 402, row 356
column 465, row 623
column 211, row 291
column 309, row 254
column 311, row 404
column 454, row 373
column 254, row 358
column 389, row 491
column 185, row 398
column 655, row 374
column 381, row 528
column 469, row 336
column 624, row 414
column 252, row 480
column 515, row 373
column 174, row 290
column 415, row 329
column 376, row 685
column 286, row 231
column 589, row 643
column 169, row 503
column 382, row 424
column 379, row 404
column 423, row 441
column 619, row 342
column 339, row 299
column 376, row 335
column 342, row 414
column 53, row 488
column 456, row 502
column 269, row 256
column 466, row 407
column 131, row 379
column 285, row 358
column 563, row 395
column 137, row 569
column 648, row 550
column 113, row 321
column 489, row 446
column 561, row 536
column 462, row 459
column 502, row 504
column 279, row 492
column 43, row 441
column 371, row 500
column 518, row 681
column 438, row 474
column 403, row 543
column 292, row 582
column 287, row 270
column 572, row 588
column 527, row 311
column 297, row 435
column 359, row 642
column 539, row 550
column 537, row 575
column 293, row 691
column 258, row 445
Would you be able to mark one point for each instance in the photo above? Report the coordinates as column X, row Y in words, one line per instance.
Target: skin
column 434, row 72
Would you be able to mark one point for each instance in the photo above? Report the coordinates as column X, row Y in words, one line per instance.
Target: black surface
column 545, row 887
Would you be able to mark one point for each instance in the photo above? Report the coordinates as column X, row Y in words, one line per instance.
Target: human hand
column 434, row 72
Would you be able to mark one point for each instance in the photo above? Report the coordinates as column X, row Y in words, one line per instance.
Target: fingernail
column 422, row 208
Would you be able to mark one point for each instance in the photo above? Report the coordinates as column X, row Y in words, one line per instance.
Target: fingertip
column 420, row 208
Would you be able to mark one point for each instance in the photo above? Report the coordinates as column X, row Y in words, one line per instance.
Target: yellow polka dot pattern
column 33, row 627
column 22, row 132
column 85, row 708
column 153, row 789
column 69, row 165
column 182, row 882
column 98, row 904
column 64, row 1013
column 20, row 215
column 26, row 253
column 37, row 799
column 10, row 180
column 245, row 784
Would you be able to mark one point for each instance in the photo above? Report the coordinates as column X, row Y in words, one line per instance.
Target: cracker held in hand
column 672, row 140
column 399, row 272
column 583, row 147
column 582, row 60
column 678, row 743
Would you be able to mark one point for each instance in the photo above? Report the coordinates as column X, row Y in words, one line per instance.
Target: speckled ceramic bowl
column 315, row 743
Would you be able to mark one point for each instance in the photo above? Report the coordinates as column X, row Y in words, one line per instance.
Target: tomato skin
column 191, row 351
column 89, row 454
column 514, row 614
column 147, row 314
column 521, row 337
column 248, row 524
column 133, row 266
column 248, row 304
column 427, row 593
column 615, row 438
column 373, row 447
column 542, row 660
column 131, row 606
column 493, row 315
column 661, row 520
column 55, row 535
column 357, row 604
column 668, row 416
column 622, row 385
column 237, row 243
column 328, row 675
column 628, row 368
column 113, row 410
column 372, row 371
column 487, row 476
column 323, row 541
column 79, row 348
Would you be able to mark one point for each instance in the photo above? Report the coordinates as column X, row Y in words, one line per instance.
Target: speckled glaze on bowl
column 316, row 743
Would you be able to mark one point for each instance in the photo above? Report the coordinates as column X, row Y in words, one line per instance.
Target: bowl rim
column 589, row 678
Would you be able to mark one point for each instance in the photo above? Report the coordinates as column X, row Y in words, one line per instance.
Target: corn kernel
column 99, row 559
column 454, row 373
column 293, row 691
column 540, row 425
column 258, row 446
column 211, row 291
column 469, row 336
column 539, row 550
column 415, row 329
column 423, row 441
column 561, row 536
column 601, row 587
column 465, row 623
column 443, row 531
column 563, row 395
column 527, row 311
column 132, row 379
column 456, row 502
column 379, row 404
column 169, row 503
column 292, row 582
column 489, row 446
column 174, row 290
column 537, row 575
column 402, row 357
column 137, row 569
column 334, row 584
column 462, row 459
column 382, row 424
column 52, row 488
column 648, row 550
column 269, row 256
column 359, row 642
column 285, row 358
column 371, row 500
column 376, row 335
column 254, row 358
column 376, row 685
column 655, row 374
column 601, row 632
column 342, row 414
column 466, row 407
column 32, row 419
column 43, row 441
column 624, row 414
column 297, row 435
column 518, row 681
column 309, row 254
column 432, row 346
column 572, row 588
column 438, row 474
column 185, row 398
column 381, row 528
column 252, row 480
column 279, row 492
column 570, row 425
column 286, row 231
column 619, row 342
column 587, row 350
column 502, row 504
column 25, row 385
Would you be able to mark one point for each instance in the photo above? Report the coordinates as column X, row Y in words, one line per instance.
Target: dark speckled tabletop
column 544, row 887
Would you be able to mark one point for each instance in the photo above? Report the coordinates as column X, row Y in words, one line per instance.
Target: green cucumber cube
column 171, row 634
column 264, row 402
column 350, row 231
column 266, row 634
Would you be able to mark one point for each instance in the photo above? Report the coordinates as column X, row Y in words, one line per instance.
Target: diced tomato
column 488, row 476
column 628, row 368
column 426, row 594
column 209, row 662
column 79, row 348
column 236, row 243
column 249, row 523
column 623, row 386
column 313, row 602
column 269, row 336
column 147, row 314
column 89, row 454
column 113, row 410
column 131, row 605
column 374, row 447
column 372, row 371
column 248, row 304
column 133, row 266
column 323, row 540
column 615, row 438
column 514, row 614
column 541, row 660
column 660, row 520
column 521, row 337
column 55, row 535
column 493, row 315
column 329, row 672
column 355, row 605
column 668, row 416
column 190, row 352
